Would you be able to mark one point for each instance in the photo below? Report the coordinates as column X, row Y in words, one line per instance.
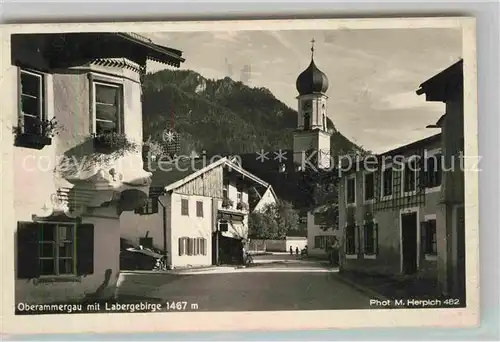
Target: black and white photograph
column 290, row 166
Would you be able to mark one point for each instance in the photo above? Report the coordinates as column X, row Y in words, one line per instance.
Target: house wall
column 96, row 285
column 191, row 227
column 314, row 230
column 135, row 226
column 29, row 180
column 451, row 241
column 388, row 259
column 232, row 193
column 209, row 184
column 267, row 199
column 237, row 230
column 295, row 242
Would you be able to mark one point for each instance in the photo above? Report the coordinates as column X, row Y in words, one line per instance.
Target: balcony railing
column 228, row 204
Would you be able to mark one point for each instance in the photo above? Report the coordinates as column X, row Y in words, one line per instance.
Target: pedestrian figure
column 297, row 250
column 291, row 250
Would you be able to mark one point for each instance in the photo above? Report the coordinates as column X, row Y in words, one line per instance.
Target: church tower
column 312, row 135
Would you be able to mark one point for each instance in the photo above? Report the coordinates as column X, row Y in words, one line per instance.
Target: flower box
column 242, row 206
column 110, row 142
column 42, row 132
column 32, row 140
column 227, row 203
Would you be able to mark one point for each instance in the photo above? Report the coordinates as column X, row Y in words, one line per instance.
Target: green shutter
column 85, row 249
column 27, row 250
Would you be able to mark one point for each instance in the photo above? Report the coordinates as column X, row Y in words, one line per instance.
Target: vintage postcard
column 239, row 175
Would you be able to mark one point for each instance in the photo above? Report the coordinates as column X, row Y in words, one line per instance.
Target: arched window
column 324, row 122
column 307, row 121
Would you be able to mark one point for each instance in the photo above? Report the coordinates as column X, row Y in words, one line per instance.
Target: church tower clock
column 312, row 136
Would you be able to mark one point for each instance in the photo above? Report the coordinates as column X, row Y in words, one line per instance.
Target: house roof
column 414, row 145
column 438, row 87
column 439, row 123
column 403, row 150
column 61, row 50
column 172, row 175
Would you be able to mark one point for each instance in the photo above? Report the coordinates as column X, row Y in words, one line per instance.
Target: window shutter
column 421, row 174
column 154, row 204
column 181, row 246
column 423, row 236
column 365, row 226
column 357, row 239
column 27, row 250
column 375, row 238
column 84, row 249
column 316, row 242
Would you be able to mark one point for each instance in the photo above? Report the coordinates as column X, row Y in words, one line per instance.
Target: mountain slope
column 221, row 116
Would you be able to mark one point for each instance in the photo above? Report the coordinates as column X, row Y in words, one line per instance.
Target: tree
column 273, row 222
column 320, row 191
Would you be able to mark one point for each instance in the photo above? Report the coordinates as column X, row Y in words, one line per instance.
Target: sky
column 373, row 74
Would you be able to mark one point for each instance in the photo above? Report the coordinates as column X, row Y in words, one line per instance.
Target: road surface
column 279, row 283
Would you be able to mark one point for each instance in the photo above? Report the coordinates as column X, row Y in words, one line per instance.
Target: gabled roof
column 175, row 174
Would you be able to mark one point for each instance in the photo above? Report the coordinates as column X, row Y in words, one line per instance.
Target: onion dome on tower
column 312, row 80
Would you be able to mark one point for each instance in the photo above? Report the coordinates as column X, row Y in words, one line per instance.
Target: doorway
column 409, row 251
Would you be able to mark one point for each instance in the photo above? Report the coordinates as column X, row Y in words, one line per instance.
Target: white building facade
column 65, row 183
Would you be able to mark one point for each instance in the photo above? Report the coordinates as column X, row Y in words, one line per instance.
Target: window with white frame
column 239, row 193
column 199, row 208
column 107, row 107
column 150, row 208
column 184, row 207
column 225, row 189
column 56, row 245
column 370, row 240
column 369, row 186
column 410, row 175
column 32, row 102
column 433, row 170
column 350, row 190
column 54, row 249
column 428, row 236
column 387, row 182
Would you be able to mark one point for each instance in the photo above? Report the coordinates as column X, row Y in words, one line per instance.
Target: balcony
column 239, row 207
column 103, row 180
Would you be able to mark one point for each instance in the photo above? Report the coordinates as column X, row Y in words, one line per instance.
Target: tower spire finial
column 312, row 48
